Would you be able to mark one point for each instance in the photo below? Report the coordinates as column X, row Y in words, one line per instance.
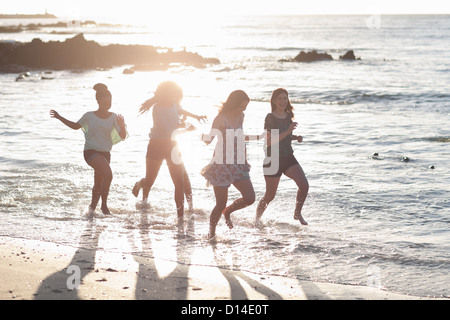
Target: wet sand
column 32, row 270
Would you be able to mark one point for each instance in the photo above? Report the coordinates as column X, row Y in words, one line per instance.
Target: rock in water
column 349, row 55
column 309, row 57
column 312, row 56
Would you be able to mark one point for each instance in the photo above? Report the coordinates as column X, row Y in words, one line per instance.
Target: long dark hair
column 165, row 92
column 234, row 100
column 289, row 108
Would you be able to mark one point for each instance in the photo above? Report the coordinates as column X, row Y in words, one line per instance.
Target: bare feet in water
column 211, row 237
column 300, row 218
column 136, row 188
column 105, row 210
column 228, row 219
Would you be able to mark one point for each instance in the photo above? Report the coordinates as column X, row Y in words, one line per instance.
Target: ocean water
column 380, row 221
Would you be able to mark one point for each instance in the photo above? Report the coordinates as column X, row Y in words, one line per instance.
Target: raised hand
column 292, row 126
column 121, row 121
column 54, row 114
column 143, row 109
column 202, row 119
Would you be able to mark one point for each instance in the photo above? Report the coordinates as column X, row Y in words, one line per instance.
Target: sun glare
column 180, row 26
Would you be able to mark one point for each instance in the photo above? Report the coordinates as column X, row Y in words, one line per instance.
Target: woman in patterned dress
column 229, row 165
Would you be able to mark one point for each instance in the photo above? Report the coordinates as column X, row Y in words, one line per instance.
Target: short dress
column 229, row 163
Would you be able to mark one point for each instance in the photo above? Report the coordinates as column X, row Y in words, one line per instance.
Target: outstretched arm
column 147, row 105
column 255, row 137
column 187, row 113
column 70, row 124
column 215, row 130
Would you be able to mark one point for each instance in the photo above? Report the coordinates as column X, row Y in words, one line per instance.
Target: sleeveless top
column 165, row 122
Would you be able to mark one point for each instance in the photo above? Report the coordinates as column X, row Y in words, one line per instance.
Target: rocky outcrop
column 79, row 53
column 309, row 57
column 312, row 56
column 349, row 55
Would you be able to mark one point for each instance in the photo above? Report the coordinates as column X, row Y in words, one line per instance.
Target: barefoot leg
column 296, row 173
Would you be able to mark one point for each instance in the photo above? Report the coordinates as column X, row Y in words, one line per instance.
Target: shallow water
column 373, row 220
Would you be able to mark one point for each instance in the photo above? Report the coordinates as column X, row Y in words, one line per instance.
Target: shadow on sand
column 149, row 284
column 55, row 287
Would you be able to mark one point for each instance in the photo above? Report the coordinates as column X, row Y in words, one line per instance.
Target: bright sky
column 141, row 9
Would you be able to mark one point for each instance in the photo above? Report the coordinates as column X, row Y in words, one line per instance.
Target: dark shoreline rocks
column 349, row 55
column 312, row 56
column 79, row 53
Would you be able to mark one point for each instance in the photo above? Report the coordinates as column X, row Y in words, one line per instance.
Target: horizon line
column 280, row 14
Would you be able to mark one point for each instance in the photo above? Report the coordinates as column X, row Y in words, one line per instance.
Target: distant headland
column 28, row 16
column 79, row 53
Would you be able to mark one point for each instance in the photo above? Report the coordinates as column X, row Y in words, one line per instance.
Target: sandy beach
column 374, row 151
column 34, row 270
